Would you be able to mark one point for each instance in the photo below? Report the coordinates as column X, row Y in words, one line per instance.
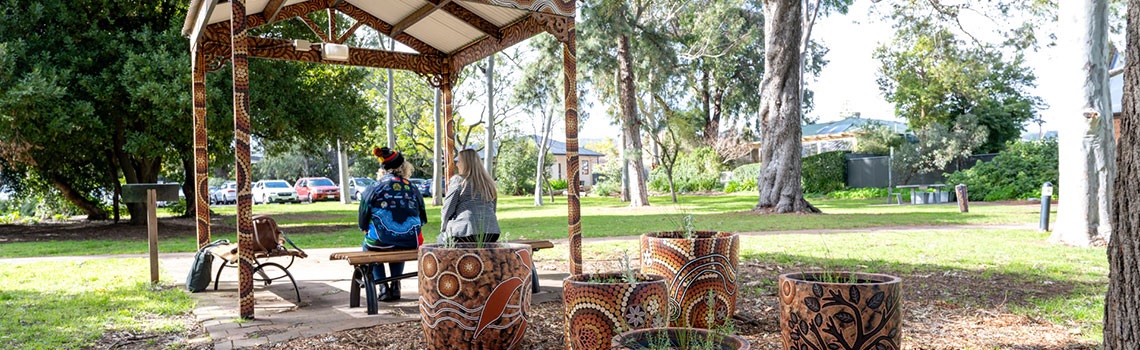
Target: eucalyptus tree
column 1121, row 321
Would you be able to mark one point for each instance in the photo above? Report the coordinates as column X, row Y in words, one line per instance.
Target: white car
column 227, row 194
column 271, row 191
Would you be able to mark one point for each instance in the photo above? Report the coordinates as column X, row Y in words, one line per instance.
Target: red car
column 311, row 189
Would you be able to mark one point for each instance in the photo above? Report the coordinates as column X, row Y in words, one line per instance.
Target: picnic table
column 923, row 197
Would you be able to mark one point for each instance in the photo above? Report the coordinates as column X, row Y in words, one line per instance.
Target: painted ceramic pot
column 701, row 272
column 677, row 338
column 840, row 310
column 474, row 297
column 599, row 306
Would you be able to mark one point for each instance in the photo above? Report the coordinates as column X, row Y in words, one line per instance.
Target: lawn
column 71, row 304
column 1015, row 271
column 331, row 224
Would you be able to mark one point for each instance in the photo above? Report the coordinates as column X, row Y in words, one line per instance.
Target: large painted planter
column 677, row 338
column 701, row 272
column 599, row 306
column 472, row 297
column 840, row 310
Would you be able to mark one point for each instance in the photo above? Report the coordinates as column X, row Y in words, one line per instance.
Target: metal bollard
column 1046, row 202
column 963, row 198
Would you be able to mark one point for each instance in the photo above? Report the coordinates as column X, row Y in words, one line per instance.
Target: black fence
column 875, row 171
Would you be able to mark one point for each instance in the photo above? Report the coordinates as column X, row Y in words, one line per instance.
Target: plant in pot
column 599, row 306
column 700, row 268
column 720, row 338
column 474, row 295
column 840, row 310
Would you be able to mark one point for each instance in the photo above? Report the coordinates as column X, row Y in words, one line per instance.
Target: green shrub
column 1016, row 173
column 859, row 193
column 746, row 172
column 825, row 172
column 560, row 184
column 515, row 166
column 695, row 171
column 607, row 187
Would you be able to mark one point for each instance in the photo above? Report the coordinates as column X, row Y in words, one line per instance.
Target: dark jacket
column 392, row 213
column 464, row 213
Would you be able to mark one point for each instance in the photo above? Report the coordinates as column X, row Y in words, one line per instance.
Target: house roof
column 850, row 124
column 558, row 148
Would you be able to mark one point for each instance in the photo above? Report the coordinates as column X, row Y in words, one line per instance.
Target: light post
column 1046, row 201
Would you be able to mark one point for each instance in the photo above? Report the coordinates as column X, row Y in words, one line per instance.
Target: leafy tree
column 936, row 146
column 877, row 139
column 1016, row 173
column 933, row 77
column 516, row 165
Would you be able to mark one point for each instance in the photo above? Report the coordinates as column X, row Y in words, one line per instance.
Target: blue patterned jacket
column 392, row 214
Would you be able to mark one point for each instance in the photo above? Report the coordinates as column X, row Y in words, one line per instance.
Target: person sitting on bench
column 468, row 213
column 391, row 216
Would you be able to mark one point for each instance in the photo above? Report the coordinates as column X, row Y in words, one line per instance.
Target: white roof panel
column 444, row 32
column 500, row 16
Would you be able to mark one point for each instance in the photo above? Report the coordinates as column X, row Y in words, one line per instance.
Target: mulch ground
column 953, row 310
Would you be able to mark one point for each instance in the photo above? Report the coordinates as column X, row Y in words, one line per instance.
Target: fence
column 875, row 171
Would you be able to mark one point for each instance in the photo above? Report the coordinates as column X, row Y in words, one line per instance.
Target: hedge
column 825, row 172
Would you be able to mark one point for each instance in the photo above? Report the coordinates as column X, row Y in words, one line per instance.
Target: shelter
column 446, row 36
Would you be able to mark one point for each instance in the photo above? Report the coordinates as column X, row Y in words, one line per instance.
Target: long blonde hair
column 403, row 171
column 471, row 168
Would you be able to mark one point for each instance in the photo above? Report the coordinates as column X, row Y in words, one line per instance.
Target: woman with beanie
column 470, row 204
column 391, row 215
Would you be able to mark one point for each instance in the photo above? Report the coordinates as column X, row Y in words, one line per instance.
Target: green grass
column 66, row 305
column 1015, row 269
column 335, row 223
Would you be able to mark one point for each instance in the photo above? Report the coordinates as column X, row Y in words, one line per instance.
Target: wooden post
column 240, row 61
column 449, row 117
column 152, row 232
column 573, row 206
column 201, row 159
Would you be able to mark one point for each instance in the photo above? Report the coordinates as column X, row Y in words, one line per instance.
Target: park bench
column 362, row 276
column 268, row 242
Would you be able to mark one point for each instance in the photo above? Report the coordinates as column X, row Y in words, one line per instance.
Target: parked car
column 227, row 194
column 421, row 185
column 425, row 190
column 311, row 189
column 272, row 191
column 357, row 185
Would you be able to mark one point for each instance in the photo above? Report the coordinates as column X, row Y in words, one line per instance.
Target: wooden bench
column 268, row 242
column 361, row 262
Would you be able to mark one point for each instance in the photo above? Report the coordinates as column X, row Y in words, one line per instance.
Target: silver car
column 274, row 191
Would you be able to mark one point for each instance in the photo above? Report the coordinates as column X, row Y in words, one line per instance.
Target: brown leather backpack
column 266, row 235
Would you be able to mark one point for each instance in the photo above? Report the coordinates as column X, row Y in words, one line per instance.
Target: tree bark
column 779, row 181
column 489, row 144
column 631, row 123
column 1087, row 149
column 624, row 193
column 1121, row 321
column 188, row 189
column 391, row 117
column 437, row 190
column 547, row 125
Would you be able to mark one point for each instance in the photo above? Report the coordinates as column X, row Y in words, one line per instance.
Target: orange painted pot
column 599, row 306
column 677, row 338
column 840, row 310
column 701, row 272
column 472, row 297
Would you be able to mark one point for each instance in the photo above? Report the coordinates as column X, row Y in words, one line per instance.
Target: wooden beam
column 280, row 49
column 513, row 33
column 332, row 24
column 349, row 32
column 386, row 29
column 313, row 26
column 480, row 23
column 200, row 22
column 272, row 9
column 553, row 7
column 416, row 16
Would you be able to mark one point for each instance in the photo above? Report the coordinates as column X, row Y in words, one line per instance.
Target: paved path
column 324, row 293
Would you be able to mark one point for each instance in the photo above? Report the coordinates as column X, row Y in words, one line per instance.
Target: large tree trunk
column 624, row 193
column 1121, row 321
column 1087, row 149
column 489, row 144
column 779, row 181
column 188, row 183
column 631, row 124
column 94, row 210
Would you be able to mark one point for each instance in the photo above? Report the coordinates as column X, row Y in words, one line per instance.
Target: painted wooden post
column 201, row 159
column 570, row 87
column 449, row 117
column 240, row 62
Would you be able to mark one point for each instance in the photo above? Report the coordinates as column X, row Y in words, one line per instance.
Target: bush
column 859, row 193
column 746, row 172
column 515, row 166
column 606, row 188
column 558, row 184
column 1016, row 173
column 695, row 171
column 825, row 172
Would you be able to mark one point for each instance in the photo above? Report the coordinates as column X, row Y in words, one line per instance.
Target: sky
column 847, row 84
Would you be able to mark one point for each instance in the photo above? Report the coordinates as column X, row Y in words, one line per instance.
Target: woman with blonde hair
column 392, row 215
column 468, row 213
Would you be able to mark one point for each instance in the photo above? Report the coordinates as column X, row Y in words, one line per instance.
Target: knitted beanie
column 388, row 158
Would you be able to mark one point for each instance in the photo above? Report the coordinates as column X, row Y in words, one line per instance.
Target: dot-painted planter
column 677, row 338
column 600, row 306
column 701, row 272
column 472, row 297
column 840, row 310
